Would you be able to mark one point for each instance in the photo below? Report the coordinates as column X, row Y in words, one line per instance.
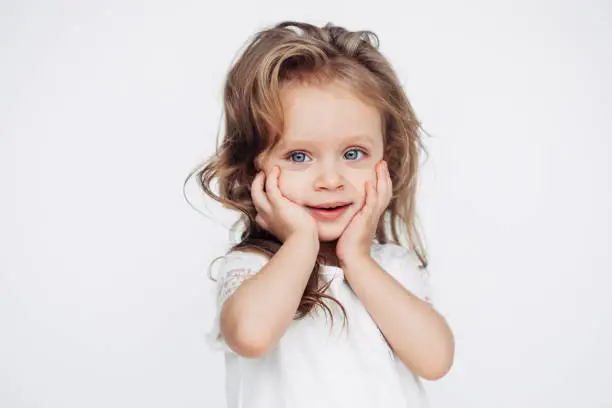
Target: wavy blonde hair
column 296, row 51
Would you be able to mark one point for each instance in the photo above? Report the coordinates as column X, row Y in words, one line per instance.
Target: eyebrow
column 350, row 139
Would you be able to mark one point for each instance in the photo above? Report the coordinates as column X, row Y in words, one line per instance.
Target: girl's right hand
column 276, row 213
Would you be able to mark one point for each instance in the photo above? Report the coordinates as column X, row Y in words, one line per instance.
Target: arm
column 418, row 334
column 257, row 315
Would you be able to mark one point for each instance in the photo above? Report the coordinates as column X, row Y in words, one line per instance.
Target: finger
column 380, row 177
column 272, row 186
column 260, row 221
column 370, row 199
column 262, row 204
column 384, row 184
column 390, row 184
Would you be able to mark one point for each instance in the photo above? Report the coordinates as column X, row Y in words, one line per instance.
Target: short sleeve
column 405, row 267
column 235, row 268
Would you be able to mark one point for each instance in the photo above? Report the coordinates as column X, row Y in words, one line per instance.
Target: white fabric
column 315, row 365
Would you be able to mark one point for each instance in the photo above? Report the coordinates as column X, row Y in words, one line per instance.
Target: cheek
column 292, row 186
column 359, row 179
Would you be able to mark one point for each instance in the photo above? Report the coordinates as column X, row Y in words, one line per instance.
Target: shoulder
column 234, row 268
column 243, row 258
column 391, row 252
column 405, row 266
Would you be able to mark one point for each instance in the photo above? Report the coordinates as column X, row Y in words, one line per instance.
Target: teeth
column 330, row 208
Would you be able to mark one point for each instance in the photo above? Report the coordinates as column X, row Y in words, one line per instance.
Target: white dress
column 312, row 367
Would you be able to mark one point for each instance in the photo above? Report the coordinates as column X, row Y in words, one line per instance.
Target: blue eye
column 350, row 155
column 298, row 157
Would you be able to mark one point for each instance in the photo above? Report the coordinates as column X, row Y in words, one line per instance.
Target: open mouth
column 330, row 208
column 328, row 212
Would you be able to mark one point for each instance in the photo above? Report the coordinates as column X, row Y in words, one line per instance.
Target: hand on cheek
column 275, row 212
column 356, row 240
column 282, row 186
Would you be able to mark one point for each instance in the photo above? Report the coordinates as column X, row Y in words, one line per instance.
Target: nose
column 329, row 178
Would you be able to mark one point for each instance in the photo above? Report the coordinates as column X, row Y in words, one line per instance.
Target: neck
column 328, row 251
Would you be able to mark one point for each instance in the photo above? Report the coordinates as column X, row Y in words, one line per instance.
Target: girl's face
column 330, row 146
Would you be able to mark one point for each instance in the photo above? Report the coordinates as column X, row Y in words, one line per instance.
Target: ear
column 259, row 161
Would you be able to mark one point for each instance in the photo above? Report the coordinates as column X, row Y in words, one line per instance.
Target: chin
column 328, row 238
column 328, row 233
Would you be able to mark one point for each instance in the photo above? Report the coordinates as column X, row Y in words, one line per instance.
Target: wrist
column 306, row 239
column 355, row 261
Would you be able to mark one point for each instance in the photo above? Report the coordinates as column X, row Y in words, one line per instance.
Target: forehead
column 327, row 113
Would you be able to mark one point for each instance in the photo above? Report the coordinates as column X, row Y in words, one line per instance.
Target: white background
column 105, row 108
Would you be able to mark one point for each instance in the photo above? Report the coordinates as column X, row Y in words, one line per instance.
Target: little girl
column 320, row 156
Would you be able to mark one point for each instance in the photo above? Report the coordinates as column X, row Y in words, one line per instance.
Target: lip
column 330, row 204
column 328, row 215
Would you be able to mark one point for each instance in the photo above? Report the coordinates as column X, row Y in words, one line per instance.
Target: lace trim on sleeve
column 426, row 285
column 233, row 279
column 406, row 268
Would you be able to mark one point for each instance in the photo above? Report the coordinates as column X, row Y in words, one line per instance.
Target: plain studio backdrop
column 105, row 107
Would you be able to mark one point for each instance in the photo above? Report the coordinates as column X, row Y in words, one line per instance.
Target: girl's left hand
column 356, row 239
